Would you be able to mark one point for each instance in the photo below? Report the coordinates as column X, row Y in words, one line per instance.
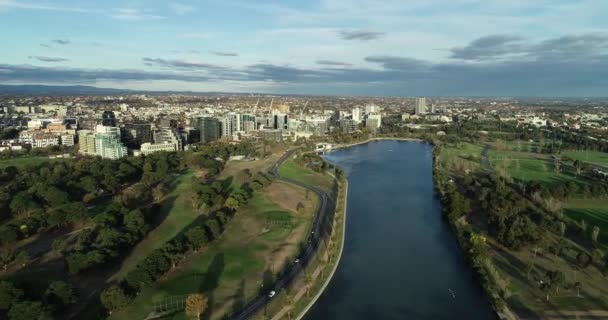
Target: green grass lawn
column 26, row 161
column 592, row 157
column 290, row 169
column 261, row 237
column 531, row 167
column 593, row 211
column 460, row 156
column 179, row 214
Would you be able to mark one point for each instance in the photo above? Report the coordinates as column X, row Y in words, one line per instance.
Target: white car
column 271, row 294
column 297, row 261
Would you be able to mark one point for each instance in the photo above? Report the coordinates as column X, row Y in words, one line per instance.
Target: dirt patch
column 287, row 196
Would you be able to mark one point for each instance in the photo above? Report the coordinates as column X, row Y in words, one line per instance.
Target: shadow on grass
column 211, row 281
column 239, row 298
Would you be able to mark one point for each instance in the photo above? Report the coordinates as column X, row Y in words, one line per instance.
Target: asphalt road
column 322, row 225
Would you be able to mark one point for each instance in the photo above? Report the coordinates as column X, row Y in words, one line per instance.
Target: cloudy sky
column 342, row 47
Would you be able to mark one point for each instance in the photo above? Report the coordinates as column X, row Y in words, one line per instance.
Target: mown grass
column 531, row 167
column 592, row 157
column 27, row 161
column 593, row 211
column 178, row 213
column 230, row 270
column 290, row 169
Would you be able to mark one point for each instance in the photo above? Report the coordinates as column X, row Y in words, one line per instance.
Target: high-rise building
column 194, row 136
column 279, row 121
column 135, row 134
column 108, row 146
column 108, row 119
column 86, row 142
column 373, row 121
column 348, row 125
column 107, row 143
column 168, row 136
column 420, row 106
column 357, row 115
column 226, row 125
column 248, row 123
column 165, row 139
column 209, row 127
column 371, row 108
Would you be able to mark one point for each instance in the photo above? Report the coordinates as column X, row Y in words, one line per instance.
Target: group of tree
column 200, row 233
column 16, row 303
column 312, row 161
column 116, row 230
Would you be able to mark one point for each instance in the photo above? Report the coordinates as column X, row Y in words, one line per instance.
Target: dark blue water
column 400, row 259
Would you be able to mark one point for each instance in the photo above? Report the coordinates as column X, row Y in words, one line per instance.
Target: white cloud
column 181, row 9
column 130, row 14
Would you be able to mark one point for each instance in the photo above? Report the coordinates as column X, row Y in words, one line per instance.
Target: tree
column 196, row 304
column 196, row 237
column 309, row 280
column 583, row 259
column 135, row 223
column 529, row 269
column 28, row 310
column 299, row 207
column 232, row 203
column 60, row 293
column 23, row 258
column 8, row 234
column 289, row 300
column 583, row 226
column 114, row 298
column 595, row 233
column 9, row 294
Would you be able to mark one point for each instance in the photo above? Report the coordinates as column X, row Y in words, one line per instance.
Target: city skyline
column 365, row 47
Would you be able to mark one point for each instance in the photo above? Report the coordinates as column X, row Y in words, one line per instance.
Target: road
column 321, row 225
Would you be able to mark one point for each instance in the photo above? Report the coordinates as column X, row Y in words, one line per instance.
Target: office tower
column 357, row 115
column 108, row 119
column 370, row 108
column 248, row 123
column 209, row 127
column 86, row 142
column 420, row 106
column 279, row 121
column 107, row 143
column 135, row 134
column 108, row 146
column 373, row 121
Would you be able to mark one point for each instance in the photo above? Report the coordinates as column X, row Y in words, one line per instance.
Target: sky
column 324, row 47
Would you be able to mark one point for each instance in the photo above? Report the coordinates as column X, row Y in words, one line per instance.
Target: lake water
column 400, row 259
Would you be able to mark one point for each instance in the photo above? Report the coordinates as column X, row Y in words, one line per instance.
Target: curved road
column 321, row 225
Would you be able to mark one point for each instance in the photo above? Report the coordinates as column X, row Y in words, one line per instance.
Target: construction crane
column 255, row 109
column 303, row 109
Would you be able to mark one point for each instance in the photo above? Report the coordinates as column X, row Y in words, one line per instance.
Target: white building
column 373, row 121
column 370, row 108
column 420, row 106
column 357, row 115
column 148, row 148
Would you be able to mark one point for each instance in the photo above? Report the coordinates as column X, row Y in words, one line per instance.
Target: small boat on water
column 452, row 293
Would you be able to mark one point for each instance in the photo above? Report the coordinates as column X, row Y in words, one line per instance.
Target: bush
column 114, row 298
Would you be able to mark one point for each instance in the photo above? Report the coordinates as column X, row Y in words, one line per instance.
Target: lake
column 400, row 260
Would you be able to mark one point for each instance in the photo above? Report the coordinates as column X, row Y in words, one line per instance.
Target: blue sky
column 361, row 47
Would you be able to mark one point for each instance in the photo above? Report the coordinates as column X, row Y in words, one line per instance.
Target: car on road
column 271, row 294
column 297, row 261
